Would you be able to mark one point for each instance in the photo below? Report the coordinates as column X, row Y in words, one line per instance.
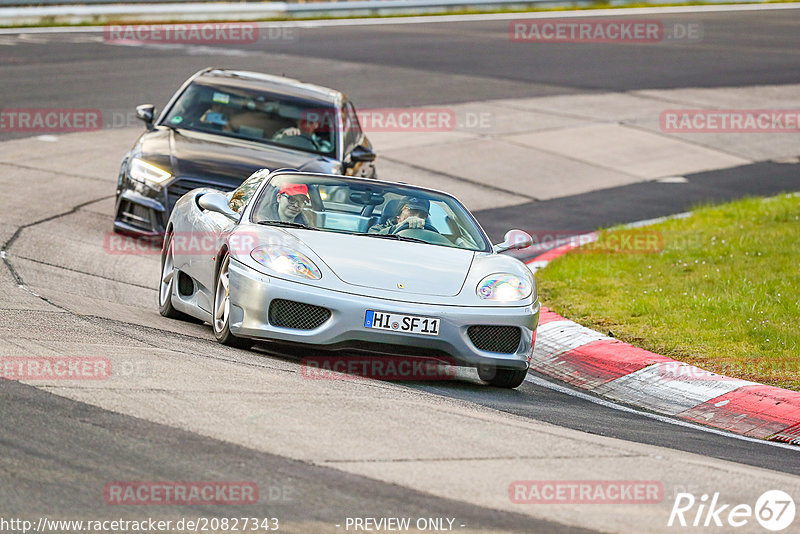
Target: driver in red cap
column 292, row 198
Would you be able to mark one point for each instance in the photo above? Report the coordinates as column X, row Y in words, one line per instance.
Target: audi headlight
column 141, row 171
column 504, row 288
column 287, row 261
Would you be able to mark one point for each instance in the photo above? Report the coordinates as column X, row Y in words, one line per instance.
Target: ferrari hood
column 410, row 268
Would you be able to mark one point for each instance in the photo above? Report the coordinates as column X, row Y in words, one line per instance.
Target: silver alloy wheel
column 222, row 304
column 167, row 275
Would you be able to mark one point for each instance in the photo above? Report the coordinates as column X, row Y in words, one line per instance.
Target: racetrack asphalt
column 377, row 66
column 405, row 65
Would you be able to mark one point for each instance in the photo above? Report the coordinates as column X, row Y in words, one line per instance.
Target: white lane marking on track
column 192, row 50
column 30, row 38
column 648, row 222
column 461, row 18
column 661, row 418
column 37, row 38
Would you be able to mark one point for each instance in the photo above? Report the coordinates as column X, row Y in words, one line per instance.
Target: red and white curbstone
column 619, row 371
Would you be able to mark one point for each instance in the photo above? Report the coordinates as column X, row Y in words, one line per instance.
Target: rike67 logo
column 774, row 510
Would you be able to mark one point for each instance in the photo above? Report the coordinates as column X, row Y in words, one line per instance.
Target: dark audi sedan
column 220, row 127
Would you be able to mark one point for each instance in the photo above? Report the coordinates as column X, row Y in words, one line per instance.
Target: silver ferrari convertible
column 336, row 262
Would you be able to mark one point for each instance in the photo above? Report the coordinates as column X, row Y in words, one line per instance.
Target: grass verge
column 719, row 289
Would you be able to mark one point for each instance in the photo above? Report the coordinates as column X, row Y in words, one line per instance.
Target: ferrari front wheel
column 222, row 309
column 167, row 285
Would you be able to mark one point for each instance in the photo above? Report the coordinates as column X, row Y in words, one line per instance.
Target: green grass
column 721, row 294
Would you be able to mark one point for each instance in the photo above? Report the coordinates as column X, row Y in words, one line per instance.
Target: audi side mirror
column 362, row 154
column 146, row 113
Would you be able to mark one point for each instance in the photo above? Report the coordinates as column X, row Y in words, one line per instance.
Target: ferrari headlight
column 287, row 261
column 504, row 288
column 141, row 171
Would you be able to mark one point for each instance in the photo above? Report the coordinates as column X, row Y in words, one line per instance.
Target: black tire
column 167, row 285
column 502, row 378
column 220, row 320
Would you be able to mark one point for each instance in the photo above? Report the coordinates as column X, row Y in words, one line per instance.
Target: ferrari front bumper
column 251, row 294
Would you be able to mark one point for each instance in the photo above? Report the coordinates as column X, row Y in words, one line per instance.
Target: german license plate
column 410, row 324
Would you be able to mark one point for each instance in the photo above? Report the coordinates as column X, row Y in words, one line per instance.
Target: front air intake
column 297, row 315
column 493, row 338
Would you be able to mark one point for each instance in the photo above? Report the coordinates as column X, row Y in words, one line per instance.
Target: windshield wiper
column 285, row 224
column 395, row 237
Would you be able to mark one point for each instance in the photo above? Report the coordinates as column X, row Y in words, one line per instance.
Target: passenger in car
column 257, row 119
column 215, row 117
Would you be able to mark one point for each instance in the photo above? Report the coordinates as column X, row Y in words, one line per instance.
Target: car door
column 217, row 226
column 209, row 232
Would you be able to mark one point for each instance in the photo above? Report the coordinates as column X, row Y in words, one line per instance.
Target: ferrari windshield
column 256, row 116
column 367, row 208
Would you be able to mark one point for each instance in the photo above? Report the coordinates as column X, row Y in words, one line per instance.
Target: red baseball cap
column 294, row 189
